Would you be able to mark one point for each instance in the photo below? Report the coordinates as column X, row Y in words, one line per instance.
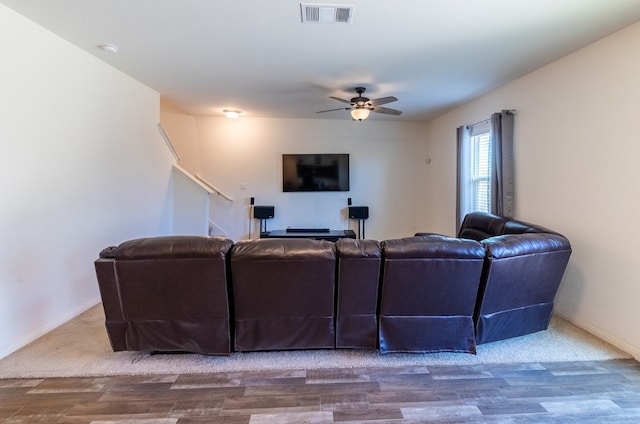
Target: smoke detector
column 326, row 13
column 108, row 47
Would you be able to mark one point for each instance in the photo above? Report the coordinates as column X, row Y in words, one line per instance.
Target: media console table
column 318, row 234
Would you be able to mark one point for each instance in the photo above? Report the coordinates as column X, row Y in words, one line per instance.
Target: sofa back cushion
column 480, row 225
column 523, row 269
column 430, row 275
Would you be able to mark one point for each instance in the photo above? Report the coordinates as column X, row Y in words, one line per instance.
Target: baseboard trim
column 48, row 327
column 596, row 331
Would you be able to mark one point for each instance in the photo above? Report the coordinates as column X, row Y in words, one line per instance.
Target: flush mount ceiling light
column 108, row 47
column 233, row 114
column 360, row 113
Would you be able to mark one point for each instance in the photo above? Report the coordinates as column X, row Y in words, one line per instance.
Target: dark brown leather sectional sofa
column 426, row 293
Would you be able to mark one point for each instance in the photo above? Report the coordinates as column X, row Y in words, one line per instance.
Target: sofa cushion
column 480, row 225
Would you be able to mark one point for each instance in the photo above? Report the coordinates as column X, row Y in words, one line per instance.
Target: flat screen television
column 315, row 172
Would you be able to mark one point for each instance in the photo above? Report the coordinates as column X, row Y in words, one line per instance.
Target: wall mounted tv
column 315, row 172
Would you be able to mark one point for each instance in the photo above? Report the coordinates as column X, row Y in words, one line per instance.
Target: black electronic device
column 263, row 212
column 308, row 230
column 315, row 172
column 359, row 212
column 312, row 233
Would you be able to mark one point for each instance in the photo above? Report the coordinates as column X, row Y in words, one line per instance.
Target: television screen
column 315, row 172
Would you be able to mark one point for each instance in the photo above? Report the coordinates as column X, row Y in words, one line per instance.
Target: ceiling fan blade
column 331, row 110
column 340, row 100
column 386, row 110
column 383, row 100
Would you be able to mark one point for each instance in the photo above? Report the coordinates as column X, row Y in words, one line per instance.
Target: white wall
column 82, row 167
column 243, row 158
column 191, row 204
column 576, row 153
column 182, row 132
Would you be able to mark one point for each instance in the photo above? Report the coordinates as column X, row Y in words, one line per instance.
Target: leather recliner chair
column 428, row 294
column 283, row 291
column 167, row 294
column 523, row 269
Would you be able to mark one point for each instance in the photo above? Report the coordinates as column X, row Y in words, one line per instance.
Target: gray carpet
column 81, row 348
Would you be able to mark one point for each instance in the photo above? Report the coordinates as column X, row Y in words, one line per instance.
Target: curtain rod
column 511, row 111
column 478, row 123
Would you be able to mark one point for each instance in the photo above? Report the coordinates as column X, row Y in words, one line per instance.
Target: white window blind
column 480, row 172
column 474, row 178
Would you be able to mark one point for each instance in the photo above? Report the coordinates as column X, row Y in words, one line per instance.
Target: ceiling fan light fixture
column 360, row 114
column 233, row 114
column 361, row 106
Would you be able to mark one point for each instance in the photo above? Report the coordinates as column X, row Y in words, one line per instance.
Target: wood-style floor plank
column 557, row 392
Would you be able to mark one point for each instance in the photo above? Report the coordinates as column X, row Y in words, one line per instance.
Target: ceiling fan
column 361, row 106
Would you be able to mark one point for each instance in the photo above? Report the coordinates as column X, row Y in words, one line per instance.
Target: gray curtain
column 463, row 134
column 501, row 127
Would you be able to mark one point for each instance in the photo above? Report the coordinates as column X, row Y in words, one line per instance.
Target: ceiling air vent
column 326, row 13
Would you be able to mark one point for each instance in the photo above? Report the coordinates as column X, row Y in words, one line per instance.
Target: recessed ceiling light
column 233, row 114
column 108, row 47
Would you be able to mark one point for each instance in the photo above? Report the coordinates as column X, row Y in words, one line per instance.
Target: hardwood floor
column 562, row 392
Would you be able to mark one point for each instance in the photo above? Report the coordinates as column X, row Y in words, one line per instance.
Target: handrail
column 169, row 143
column 213, row 188
column 193, row 179
column 202, row 183
column 213, row 225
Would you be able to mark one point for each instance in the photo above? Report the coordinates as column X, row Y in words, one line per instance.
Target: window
column 475, row 169
column 480, row 172
column 485, row 166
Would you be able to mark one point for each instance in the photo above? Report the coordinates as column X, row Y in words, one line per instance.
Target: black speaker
column 263, row 212
column 358, row 212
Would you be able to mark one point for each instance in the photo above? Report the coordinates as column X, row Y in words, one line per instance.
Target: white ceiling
column 258, row 56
